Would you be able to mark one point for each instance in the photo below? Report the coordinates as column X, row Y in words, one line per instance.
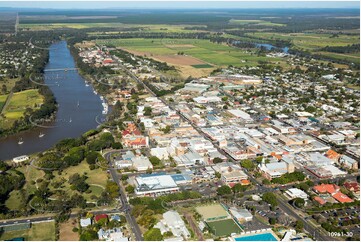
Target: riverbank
column 78, row 107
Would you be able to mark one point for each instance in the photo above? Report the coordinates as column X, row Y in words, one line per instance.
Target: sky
column 173, row 4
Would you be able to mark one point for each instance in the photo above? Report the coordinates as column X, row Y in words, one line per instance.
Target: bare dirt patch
column 66, row 231
column 179, row 59
column 180, row 46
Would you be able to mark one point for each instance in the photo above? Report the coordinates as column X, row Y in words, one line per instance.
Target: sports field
column 37, row 232
column 212, row 212
column 223, row 227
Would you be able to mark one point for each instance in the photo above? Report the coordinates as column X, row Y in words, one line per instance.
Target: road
column 49, row 218
column 126, row 208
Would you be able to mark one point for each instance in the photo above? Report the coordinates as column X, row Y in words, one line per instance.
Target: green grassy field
column 2, row 101
column 37, row 232
column 212, row 53
column 15, row 200
column 223, row 227
column 19, row 102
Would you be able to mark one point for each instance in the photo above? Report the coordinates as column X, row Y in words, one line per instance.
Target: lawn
column 223, row 227
column 37, row 232
column 15, row 201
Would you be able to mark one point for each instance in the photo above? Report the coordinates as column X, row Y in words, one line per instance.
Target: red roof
column 342, row 198
column 326, row 188
column 319, row 200
column 352, row 186
column 100, row 216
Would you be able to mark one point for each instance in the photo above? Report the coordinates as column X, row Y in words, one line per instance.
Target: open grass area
column 15, row 201
column 223, row 227
column 19, row 103
column 31, row 174
column 37, row 232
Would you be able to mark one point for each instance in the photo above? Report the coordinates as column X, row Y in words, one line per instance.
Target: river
column 79, row 107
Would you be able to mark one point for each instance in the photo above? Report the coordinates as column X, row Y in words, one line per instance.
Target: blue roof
column 153, row 174
column 178, row 177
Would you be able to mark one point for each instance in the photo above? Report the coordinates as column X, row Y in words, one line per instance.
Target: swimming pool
column 257, row 237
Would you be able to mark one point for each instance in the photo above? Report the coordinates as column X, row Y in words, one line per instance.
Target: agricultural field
column 18, row 104
column 313, row 42
column 197, row 55
column 37, row 232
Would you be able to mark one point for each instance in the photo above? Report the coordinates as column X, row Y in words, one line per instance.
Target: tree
column 270, row 198
column 299, row 202
column 91, row 157
column 153, row 235
column 224, row 190
column 272, row 221
column 89, row 235
column 217, row 160
column 248, row 164
column 147, row 111
column 130, row 189
column 155, row 161
column 238, row 188
column 299, row 226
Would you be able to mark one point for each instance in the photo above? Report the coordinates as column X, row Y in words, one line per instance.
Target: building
column 333, row 191
column 293, row 193
column 353, row 187
column 242, row 215
column 348, row 162
column 141, row 163
column 243, row 116
column 20, row 158
column 154, row 184
column 173, row 222
column 84, row 222
column 276, row 169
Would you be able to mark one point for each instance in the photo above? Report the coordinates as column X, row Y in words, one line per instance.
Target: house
column 348, row 162
column 320, row 200
column 353, row 187
column 85, row 222
column 99, row 217
column 333, row 155
column 173, row 222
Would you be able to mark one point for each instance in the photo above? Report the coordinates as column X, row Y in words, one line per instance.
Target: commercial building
column 154, row 184
column 242, row 215
column 293, row 193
